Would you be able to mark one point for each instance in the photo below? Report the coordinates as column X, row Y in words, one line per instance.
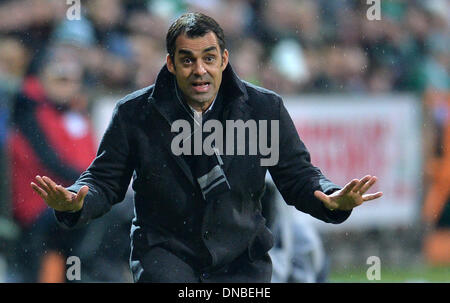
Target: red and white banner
column 352, row 136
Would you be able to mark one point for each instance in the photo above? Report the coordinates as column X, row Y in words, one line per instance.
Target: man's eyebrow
column 211, row 48
column 189, row 53
column 185, row 52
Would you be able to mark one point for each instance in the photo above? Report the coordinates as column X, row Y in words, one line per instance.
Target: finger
column 42, row 184
column 368, row 185
column 361, row 183
column 50, row 184
column 347, row 188
column 39, row 191
column 372, row 196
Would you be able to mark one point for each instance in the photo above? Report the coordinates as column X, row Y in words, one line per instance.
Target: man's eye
column 209, row 59
column 187, row 61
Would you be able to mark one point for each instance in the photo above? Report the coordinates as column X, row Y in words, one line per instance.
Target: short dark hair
column 193, row 25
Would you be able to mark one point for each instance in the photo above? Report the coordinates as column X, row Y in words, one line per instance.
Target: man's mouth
column 201, row 86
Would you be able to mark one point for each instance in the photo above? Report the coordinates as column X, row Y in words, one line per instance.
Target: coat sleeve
column 108, row 176
column 297, row 179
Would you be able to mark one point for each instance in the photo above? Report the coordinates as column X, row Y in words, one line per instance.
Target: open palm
column 353, row 194
column 57, row 197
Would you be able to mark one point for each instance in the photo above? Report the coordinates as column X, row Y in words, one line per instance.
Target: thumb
column 321, row 196
column 324, row 199
column 82, row 193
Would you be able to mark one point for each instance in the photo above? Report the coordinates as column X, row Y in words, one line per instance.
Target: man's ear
column 170, row 64
column 224, row 59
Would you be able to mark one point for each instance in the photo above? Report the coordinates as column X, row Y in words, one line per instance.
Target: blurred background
column 367, row 97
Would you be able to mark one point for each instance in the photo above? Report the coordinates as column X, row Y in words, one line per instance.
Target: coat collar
column 163, row 98
column 163, row 94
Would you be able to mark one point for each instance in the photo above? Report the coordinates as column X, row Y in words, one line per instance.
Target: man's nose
column 199, row 69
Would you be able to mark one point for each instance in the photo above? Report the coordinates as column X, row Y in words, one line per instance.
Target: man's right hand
column 57, row 197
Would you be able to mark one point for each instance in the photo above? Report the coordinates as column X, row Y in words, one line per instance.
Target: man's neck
column 201, row 107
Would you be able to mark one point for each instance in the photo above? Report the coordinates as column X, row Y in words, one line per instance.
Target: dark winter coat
column 176, row 235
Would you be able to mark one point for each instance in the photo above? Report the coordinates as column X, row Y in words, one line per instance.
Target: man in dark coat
column 198, row 217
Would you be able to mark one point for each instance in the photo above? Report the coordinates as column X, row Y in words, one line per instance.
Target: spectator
column 436, row 210
column 51, row 134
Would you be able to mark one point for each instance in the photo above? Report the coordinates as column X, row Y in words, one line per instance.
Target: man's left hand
column 352, row 195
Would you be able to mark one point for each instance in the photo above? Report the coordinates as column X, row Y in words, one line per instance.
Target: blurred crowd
column 52, row 70
column 290, row 46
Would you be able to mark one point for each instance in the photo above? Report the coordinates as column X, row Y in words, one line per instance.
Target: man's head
column 197, row 57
